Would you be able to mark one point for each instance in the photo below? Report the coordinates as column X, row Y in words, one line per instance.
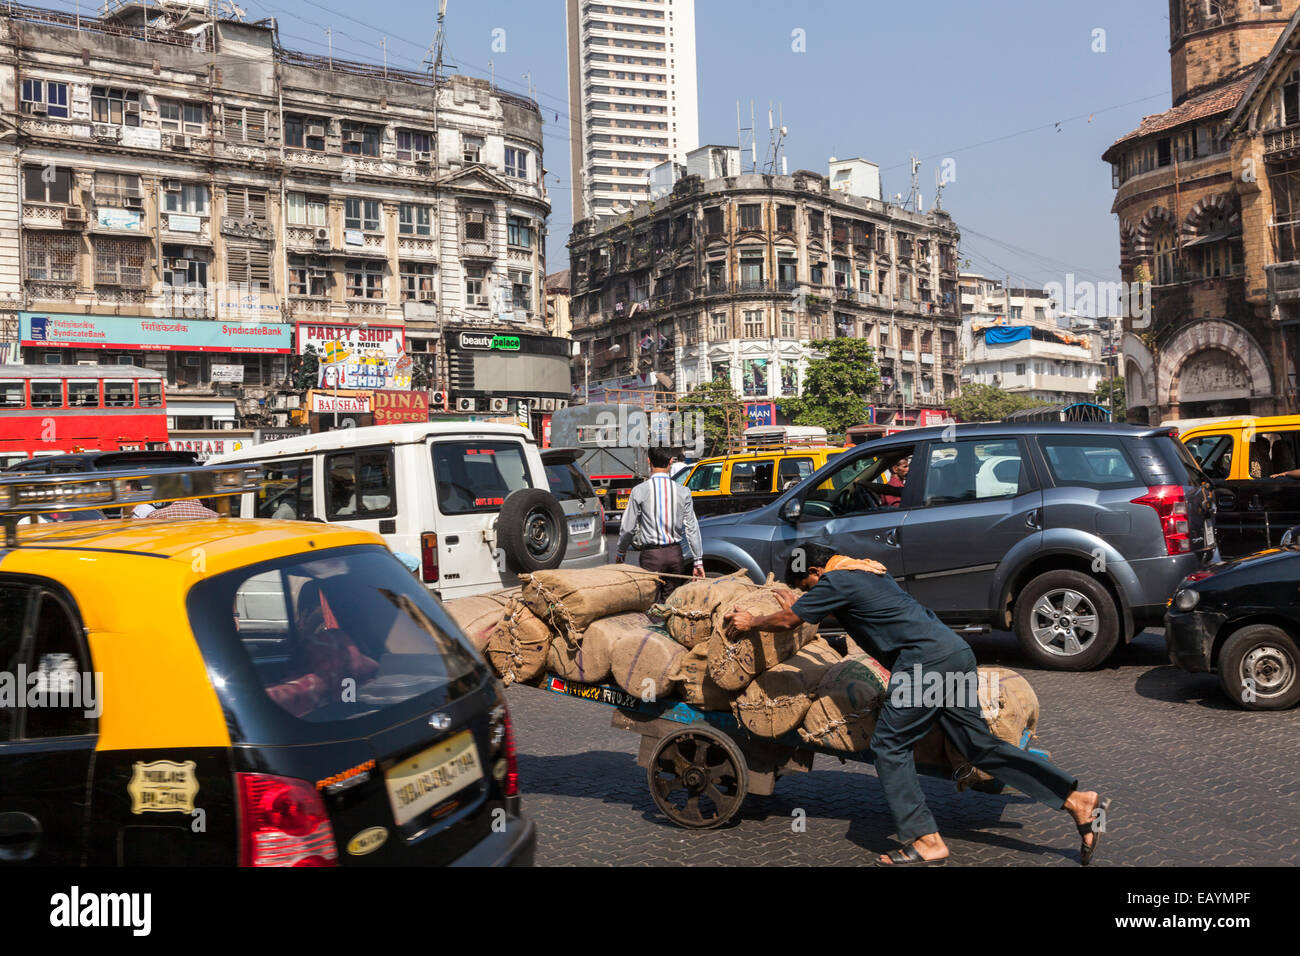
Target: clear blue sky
column 953, row 79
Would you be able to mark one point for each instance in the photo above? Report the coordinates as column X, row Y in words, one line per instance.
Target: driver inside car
column 897, row 479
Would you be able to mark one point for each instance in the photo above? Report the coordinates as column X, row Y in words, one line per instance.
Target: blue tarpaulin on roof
column 1003, row 334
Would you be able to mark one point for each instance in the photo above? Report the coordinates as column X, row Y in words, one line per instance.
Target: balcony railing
column 1279, row 140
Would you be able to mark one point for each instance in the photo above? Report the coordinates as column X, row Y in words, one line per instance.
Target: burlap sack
column 569, row 601
column 777, row 700
column 588, row 659
column 736, row 659
column 1009, row 706
column 843, row 712
column 642, row 663
column 696, row 686
column 479, row 614
column 688, row 612
column 518, row 646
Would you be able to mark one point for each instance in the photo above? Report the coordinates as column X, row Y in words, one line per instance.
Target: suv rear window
column 477, row 476
column 331, row 637
column 568, row 483
column 1089, row 461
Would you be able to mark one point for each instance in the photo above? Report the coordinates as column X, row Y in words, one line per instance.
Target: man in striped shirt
column 660, row 513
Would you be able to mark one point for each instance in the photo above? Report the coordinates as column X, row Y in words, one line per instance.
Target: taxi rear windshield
column 331, row 637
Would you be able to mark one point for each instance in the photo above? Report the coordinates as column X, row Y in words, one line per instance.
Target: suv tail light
column 1170, row 503
column 282, row 822
column 429, row 556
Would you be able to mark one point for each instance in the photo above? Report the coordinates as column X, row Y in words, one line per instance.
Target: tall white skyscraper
column 632, row 97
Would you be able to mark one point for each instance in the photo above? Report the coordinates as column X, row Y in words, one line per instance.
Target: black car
column 78, row 462
column 1242, row 618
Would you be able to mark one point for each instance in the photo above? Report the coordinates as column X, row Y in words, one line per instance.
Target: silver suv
column 1072, row 534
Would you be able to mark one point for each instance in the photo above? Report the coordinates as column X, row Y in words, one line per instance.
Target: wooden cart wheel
column 698, row 777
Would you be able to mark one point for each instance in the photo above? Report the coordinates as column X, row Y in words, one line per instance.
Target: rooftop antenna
column 938, row 188
column 914, row 196
column 740, row 138
column 776, row 136
column 438, row 41
column 329, row 37
column 383, row 42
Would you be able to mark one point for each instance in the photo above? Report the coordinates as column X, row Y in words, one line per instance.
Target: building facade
column 733, row 277
column 1205, row 206
column 189, row 196
column 1038, row 359
column 632, row 97
column 981, row 296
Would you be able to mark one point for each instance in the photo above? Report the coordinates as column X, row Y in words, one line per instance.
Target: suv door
column 978, row 499
column 843, row 511
column 45, row 750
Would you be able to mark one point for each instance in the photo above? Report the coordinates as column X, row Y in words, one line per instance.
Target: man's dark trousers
column 900, row 728
column 664, row 559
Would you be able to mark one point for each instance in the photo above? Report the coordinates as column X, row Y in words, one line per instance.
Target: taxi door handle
column 20, row 836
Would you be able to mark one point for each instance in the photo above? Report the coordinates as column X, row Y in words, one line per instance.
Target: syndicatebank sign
column 487, row 340
column 139, row 332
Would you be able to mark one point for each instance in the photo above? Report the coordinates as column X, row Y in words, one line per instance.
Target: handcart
column 701, row 764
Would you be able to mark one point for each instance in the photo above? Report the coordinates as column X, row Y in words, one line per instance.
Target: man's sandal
column 910, row 856
column 1088, row 851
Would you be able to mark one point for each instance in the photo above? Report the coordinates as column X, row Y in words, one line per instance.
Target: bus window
column 150, row 394
column 83, row 394
column 47, row 393
column 12, row 394
column 119, row 393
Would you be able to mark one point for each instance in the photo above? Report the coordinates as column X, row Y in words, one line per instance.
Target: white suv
column 470, row 500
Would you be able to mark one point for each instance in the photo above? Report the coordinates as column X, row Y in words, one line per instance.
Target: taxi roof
column 1260, row 423
column 369, row 435
column 227, row 542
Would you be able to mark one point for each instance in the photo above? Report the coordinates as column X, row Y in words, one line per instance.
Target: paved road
column 1194, row 781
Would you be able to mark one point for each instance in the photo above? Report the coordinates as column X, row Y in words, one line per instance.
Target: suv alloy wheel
column 1066, row 620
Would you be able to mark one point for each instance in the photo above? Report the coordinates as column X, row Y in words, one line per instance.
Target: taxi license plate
column 621, row 501
column 430, row 777
column 581, row 525
column 1209, row 535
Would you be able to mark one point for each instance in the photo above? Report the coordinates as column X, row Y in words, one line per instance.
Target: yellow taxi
column 226, row 691
column 742, row 481
column 1253, row 464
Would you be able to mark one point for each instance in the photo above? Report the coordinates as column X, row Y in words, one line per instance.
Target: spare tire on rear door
column 532, row 531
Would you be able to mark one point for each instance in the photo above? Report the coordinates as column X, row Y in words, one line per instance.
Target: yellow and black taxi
column 230, row 691
column 1241, row 618
column 742, row 481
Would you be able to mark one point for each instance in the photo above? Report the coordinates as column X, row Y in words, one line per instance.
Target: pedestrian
column 920, row 650
column 660, row 515
column 185, row 508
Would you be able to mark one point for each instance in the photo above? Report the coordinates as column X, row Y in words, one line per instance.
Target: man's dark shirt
column 880, row 616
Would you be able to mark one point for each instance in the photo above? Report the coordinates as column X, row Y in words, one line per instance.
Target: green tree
column 836, row 387
column 307, row 369
column 1110, row 394
column 720, row 407
column 984, row 403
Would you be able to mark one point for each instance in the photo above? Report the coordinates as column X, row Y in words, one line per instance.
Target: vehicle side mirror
column 791, row 510
column 1292, row 536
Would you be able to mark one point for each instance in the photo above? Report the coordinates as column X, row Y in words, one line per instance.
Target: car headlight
column 1186, row 599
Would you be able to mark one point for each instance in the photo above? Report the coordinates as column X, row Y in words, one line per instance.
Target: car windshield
column 334, row 637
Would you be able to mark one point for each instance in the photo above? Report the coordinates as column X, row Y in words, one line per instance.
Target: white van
column 470, row 500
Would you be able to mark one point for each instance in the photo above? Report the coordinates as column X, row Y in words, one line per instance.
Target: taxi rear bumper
column 513, row 846
column 1189, row 639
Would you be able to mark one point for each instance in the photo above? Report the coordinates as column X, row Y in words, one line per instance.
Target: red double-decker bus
column 54, row 409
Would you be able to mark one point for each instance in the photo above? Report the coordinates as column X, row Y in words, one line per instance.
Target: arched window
column 1163, row 245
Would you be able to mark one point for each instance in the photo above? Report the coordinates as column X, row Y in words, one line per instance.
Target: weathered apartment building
column 1208, row 200
column 734, row 276
column 182, row 193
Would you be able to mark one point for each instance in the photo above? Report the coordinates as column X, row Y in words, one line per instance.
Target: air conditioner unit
column 133, row 202
column 172, row 185
column 132, row 107
column 180, row 141
column 424, row 157
column 316, row 131
column 561, row 403
column 106, row 131
column 178, row 264
column 38, row 109
column 466, row 405
column 500, row 404
column 548, row 404
column 281, row 420
column 322, row 234
column 354, row 138
column 319, row 274
column 438, row 399
column 74, row 214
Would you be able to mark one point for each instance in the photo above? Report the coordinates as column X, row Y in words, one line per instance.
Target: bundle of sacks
column 601, row 624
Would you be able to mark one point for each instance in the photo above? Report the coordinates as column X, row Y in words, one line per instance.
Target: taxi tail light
column 511, row 785
column 283, row 822
column 429, row 557
column 1170, row 503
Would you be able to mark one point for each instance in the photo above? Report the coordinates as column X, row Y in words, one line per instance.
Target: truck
column 612, row 438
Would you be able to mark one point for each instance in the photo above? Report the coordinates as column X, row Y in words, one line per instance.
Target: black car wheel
column 1259, row 668
column 1066, row 621
column 532, row 531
